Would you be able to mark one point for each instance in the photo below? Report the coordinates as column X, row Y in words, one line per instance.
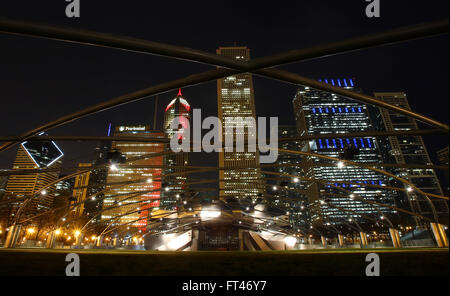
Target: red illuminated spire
column 179, row 93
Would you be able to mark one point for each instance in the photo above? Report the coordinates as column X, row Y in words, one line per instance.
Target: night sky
column 42, row 80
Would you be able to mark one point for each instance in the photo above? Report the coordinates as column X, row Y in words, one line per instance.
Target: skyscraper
column 80, row 191
column 33, row 155
column 235, row 100
column 409, row 150
column 319, row 112
column 290, row 164
column 136, row 198
column 443, row 160
column 177, row 108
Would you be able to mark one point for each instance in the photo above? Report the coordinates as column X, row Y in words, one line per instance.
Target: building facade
column 409, row 150
column 178, row 109
column 295, row 199
column 235, row 101
column 443, row 160
column 133, row 188
column 32, row 155
column 332, row 188
column 80, row 191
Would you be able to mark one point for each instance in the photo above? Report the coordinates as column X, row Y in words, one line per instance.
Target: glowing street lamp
column 340, row 164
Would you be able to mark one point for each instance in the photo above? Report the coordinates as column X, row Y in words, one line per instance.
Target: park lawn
column 331, row 262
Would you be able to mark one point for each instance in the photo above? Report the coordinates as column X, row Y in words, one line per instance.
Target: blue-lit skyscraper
column 319, row 112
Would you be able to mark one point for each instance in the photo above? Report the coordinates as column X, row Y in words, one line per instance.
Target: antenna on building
column 156, row 113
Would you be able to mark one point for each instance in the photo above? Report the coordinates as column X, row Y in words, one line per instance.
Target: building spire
column 179, row 93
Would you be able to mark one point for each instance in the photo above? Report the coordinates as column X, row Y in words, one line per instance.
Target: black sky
column 41, row 80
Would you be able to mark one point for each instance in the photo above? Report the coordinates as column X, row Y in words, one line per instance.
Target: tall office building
column 136, row 198
column 3, row 181
column 63, row 195
column 4, row 207
column 443, row 160
column 80, row 191
column 98, row 177
column 32, row 155
column 235, row 99
column 409, row 150
column 295, row 200
column 180, row 109
column 319, row 112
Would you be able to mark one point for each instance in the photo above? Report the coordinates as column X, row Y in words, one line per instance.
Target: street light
column 340, row 164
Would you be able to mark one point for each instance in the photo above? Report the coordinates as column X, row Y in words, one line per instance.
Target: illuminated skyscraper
column 177, row 108
column 33, row 155
column 320, row 112
column 409, row 150
column 235, row 100
column 295, row 200
column 142, row 194
column 80, row 191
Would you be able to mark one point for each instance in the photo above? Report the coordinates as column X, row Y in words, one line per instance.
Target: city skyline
column 112, row 64
column 186, row 134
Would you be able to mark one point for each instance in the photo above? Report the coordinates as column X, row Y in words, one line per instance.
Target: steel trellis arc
column 92, row 38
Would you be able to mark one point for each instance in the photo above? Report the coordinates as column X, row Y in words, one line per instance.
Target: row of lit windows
column 336, row 143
